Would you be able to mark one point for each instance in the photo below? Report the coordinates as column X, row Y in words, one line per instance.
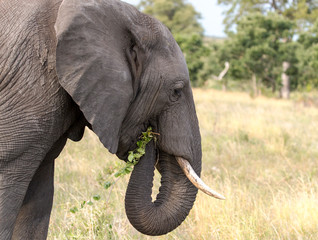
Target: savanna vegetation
column 260, row 153
column 271, row 46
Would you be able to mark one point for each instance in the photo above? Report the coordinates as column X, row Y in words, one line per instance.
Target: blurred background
column 264, row 47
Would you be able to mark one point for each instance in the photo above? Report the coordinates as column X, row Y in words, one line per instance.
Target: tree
column 304, row 12
column 194, row 50
column 183, row 21
column 255, row 50
column 308, row 58
column 178, row 15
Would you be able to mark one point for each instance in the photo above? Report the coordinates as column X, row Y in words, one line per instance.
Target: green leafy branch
column 133, row 158
column 135, row 155
column 90, row 203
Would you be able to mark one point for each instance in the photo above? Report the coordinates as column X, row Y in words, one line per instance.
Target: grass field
column 262, row 154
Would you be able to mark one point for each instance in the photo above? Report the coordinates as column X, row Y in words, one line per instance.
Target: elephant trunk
column 174, row 200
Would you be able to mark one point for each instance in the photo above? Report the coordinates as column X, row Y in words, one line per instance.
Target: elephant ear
column 92, row 64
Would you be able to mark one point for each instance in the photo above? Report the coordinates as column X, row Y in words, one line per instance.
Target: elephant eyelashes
column 177, row 92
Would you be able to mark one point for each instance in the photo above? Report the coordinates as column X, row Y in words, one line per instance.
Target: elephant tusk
column 196, row 180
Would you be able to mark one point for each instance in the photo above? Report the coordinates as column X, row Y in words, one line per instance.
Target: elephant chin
column 173, row 202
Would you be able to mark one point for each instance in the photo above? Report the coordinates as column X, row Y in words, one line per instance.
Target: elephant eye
column 177, row 91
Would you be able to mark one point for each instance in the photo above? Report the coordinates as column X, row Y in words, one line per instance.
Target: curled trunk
column 174, row 200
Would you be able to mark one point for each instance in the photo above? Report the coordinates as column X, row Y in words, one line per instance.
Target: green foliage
column 133, row 159
column 178, row 15
column 75, row 209
column 213, row 64
column 261, row 36
column 310, row 37
column 107, row 185
column 182, row 20
column 194, row 51
column 96, row 197
column 271, row 35
column 304, row 12
column 135, row 155
column 308, row 65
column 259, row 47
column 308, row 58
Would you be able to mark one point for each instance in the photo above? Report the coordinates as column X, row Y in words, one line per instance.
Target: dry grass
column 261, row 154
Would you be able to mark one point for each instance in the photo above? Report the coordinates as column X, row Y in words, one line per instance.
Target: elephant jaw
column 196, row 180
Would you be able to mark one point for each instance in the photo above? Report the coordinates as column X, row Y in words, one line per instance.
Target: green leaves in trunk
column 135, row 155
column 133, row 158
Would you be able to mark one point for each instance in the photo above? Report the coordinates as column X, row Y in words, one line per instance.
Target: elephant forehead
column 175, row 70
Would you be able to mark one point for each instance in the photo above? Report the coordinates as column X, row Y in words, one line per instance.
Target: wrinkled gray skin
column 96, row 63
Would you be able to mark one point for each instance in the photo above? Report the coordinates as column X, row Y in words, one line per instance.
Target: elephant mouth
column 187, row 170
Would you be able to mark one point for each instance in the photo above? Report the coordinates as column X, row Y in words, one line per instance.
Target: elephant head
column 126, row 72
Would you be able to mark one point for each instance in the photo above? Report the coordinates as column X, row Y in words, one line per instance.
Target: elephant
column 70, row 64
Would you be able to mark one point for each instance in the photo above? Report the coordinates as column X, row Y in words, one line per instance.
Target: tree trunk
column 222, row 74
column 273, row 85
column 224, row 86
column 254, row 84
column 285, row 91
